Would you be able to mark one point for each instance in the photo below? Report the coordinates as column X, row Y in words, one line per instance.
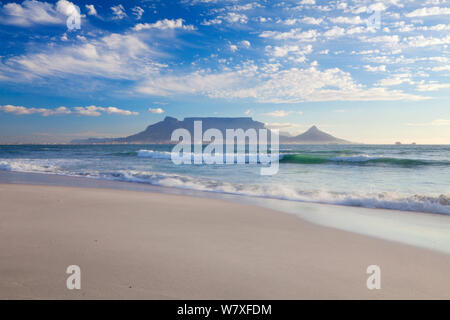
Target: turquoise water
column 405, row 177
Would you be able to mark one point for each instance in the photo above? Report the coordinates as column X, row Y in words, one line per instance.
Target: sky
column 365, row 71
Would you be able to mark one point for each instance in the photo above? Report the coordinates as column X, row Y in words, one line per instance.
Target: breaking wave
column 387, row 200
column 338, row 157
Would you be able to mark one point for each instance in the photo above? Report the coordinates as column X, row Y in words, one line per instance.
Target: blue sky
column 368, row 71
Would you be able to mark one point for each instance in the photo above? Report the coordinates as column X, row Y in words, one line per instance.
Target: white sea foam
column 197, row 156
column 27, row 165
column 418, row 203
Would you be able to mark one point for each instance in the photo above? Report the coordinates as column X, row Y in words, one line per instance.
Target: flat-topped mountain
column 160, row 132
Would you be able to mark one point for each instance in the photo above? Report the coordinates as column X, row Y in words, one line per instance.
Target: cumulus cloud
column 67, row 8
column 94, row 111
column 348, row 20
column 282, row 113
column 422, row 41
column 334, row 32
column 21, row 110
column 293, row 34
column 432, row 86
column 375, row 68
column 118, row 12
column 156, row 110
column 233, row 17
column 396, row 80
column 430, row 11
column 282, row 51
column 91, row 10
column 113, row 56
column 245, row 43
column 165, row 24
column 311, row 20
column 138, row 12
column 32, row 12
column 233, row 48
column 292, row 85
column 87, row 111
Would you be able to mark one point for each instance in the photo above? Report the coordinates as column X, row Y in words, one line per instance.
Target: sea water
column 412, row 181
column 406, row 177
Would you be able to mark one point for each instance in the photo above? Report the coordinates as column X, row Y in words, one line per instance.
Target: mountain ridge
column 160, row 132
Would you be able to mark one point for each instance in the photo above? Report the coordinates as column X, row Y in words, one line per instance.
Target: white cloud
column 281, row 125
column 114, row 56
column 244, row 7
column 233, row 48
column 198, row 82
column 389, row 41
column 277, row 113
column 375, row 68
column 94, row 111
column 379, row 6
column 282, row 113
column 433, row 86
column 21, row 110
column 118, row 12
column 334, row 32
column 211, row 22
column 311, row 20
column 114, row 110
column 422, row 41
column 87, row 111
column 156, row 110
column 438, row 27
column 283, row 86
column 283, row 51
column 430, row 11
column 67, row 8
column 165, row 24
column 305, row 20
column 138, row 12
column 290, row 22
column 32, row 12
column 348, row 20
column 233, row 17
column 396, row 80
column 245, row 43
column 442, row 68
column 91, row 10
column 359, row 29
column 295, row 34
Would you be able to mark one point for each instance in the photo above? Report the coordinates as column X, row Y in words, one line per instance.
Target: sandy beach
column 144, row 245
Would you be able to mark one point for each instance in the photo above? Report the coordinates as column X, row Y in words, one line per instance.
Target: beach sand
column 144, row 245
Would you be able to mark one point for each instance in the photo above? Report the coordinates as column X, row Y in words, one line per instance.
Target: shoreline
column 147, row 245
column 424, row 230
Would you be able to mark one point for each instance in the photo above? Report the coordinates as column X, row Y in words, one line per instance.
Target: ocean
column 413, row 178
